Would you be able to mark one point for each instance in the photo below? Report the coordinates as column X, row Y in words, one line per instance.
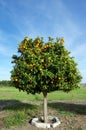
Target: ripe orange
column 62, row 40
column 59, row 78
column 26, row 38
column 45, row 65
column 16, row 79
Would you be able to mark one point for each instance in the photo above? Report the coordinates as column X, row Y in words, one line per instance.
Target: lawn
column 17, row 108
column 13, row 93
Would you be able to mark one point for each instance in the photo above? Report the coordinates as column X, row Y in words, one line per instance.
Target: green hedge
column 5, row 83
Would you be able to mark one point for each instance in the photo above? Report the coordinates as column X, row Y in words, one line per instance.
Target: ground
column 72, row 115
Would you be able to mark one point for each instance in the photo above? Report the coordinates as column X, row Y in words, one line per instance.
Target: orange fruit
column 45, row 65
column 16, row 79
column 62, row 40
column 59, row 78
column 26, row 38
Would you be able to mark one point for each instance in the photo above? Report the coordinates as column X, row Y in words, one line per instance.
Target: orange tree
column 44, row 67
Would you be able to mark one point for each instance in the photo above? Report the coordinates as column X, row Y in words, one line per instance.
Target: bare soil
column 72, row 115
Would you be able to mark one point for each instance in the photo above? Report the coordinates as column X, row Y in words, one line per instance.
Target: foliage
column 44, row 67
column 5, row 83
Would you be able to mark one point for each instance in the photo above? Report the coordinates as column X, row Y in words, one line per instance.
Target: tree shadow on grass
column 69, row 107
column 16, row 105
column 14, row 112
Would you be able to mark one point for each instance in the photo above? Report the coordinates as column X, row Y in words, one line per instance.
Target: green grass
column 13, row 93
column 19, row 113
column 17, row 118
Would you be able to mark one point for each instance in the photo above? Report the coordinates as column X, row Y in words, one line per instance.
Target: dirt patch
column 3, row 114
column 1, row 124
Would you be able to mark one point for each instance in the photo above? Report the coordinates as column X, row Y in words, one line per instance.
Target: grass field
column 13, row 93
column 16, row 108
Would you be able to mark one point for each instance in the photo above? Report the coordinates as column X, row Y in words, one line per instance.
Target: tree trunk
column 45, row 106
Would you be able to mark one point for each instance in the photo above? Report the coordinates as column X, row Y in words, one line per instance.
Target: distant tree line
column 5, row 83
column 83, row 85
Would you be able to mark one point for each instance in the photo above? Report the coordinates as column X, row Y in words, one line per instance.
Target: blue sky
column 32, row 18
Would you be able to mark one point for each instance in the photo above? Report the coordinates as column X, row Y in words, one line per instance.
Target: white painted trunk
column 45, row 106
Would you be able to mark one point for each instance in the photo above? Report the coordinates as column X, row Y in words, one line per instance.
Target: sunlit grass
column 13, row 93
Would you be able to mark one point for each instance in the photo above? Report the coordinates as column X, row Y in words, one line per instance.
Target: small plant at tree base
column 44, row 67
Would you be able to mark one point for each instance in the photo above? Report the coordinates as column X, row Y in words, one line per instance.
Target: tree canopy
column 44, row 67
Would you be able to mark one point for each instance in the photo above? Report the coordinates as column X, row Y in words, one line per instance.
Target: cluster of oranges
column 62, row 39
column 38, row 41
column 26, row 39
column 55, row 80
column 23, row 46
column 46, row 47
column 33, row 65
column 38, row 48
column 38, row 45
